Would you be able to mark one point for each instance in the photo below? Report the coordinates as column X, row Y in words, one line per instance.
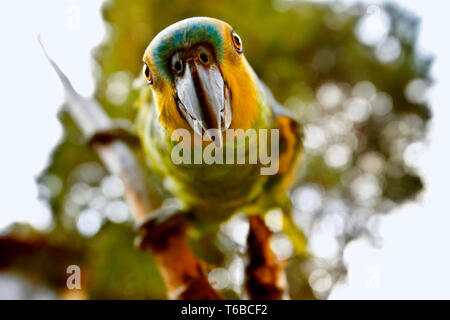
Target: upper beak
column 204, row 100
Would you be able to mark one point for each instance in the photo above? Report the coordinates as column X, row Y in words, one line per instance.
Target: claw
column 155, row 229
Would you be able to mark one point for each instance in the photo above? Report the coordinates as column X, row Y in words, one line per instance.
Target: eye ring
column 147, row 74
column 237, row 42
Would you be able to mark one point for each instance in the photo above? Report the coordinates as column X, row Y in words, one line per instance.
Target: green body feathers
column 203, row 187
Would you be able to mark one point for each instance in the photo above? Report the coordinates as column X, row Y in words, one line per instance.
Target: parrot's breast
column 219, row 187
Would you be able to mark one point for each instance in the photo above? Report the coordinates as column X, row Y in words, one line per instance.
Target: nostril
column 178, row 66
column 204, row 58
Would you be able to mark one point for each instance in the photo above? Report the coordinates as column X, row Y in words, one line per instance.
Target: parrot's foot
column 120, row 130
column 160, row 220
column 184, row 274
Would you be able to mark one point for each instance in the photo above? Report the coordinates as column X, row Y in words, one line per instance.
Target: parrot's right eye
column 148, row 74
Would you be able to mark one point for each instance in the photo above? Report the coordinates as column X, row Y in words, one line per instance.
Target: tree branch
column 116, row 156
column 264, row 272
column 50, row 258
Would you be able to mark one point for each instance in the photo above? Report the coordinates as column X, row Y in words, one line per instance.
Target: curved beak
column 204, row 100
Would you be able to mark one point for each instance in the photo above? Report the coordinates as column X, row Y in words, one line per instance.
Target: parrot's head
column 200, row 78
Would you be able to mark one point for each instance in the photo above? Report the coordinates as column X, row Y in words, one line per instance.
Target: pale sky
column 414, row 261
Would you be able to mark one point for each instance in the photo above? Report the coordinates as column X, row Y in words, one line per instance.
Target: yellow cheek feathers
column 237, row 73
column 244, row 99
column 169, row 116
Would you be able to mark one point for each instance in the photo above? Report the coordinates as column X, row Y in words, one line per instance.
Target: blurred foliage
column 361, row 95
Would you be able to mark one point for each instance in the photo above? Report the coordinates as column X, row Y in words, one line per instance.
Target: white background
column 414, row 261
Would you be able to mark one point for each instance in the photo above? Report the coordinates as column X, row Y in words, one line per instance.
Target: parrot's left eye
column 237, row 42
column 148, row 74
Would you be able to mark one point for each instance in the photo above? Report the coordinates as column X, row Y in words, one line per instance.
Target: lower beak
column 204, row 100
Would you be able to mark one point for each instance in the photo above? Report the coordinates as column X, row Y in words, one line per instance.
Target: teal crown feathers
column 184, row 34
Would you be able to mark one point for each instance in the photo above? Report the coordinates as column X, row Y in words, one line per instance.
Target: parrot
column 202, row 102
column 202, row 83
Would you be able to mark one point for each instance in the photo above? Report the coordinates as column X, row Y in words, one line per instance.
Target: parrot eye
column 237, row 42
column 148, row 74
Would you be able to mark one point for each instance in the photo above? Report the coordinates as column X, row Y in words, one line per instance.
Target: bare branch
column 264, row 272
column 116, row 156
column 50, row 258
